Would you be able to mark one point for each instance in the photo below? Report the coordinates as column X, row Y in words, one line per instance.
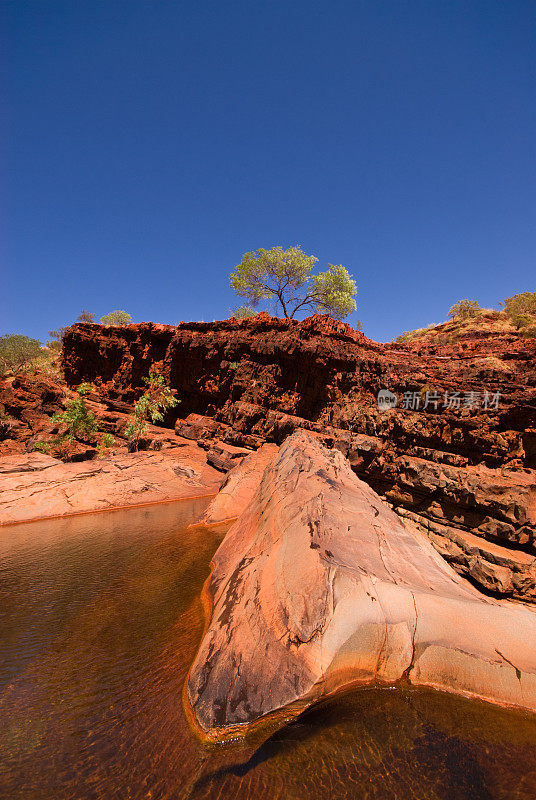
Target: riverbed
column 100, row 618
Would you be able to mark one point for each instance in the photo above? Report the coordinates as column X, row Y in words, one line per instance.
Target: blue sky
column 148, row 145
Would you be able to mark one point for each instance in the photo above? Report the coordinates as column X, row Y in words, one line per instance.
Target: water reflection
column 100, row 618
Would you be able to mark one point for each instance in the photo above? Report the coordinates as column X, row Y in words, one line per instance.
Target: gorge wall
column 463, row 468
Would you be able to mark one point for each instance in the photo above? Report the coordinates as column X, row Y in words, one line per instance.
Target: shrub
column 524, row 303
column 116, row 318
column 521, row 310
column 154, row 402
column 17, row 350
column 405, row 336
column 107, row 441
column 80, row 421
column 465, row 309
column 42, row 447
column 244, row 312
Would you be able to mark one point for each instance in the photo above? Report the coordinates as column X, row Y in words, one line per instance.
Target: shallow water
column 100, row 619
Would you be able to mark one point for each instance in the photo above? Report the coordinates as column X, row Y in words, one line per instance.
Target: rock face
column 36, row 486
column 319, row 585
column 239, row 487
column 458, row 471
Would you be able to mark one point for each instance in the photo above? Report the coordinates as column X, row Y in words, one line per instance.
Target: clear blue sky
column 148, row 145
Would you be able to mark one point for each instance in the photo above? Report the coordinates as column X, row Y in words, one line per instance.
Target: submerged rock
column 319, row 584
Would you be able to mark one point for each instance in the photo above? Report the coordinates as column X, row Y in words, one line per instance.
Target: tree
column 86, row 316
column 464, row 309
column 57, row 336
column 116, row 318
column 17, row 350
column 521, row 309
column 285, row 276
column 154, row 402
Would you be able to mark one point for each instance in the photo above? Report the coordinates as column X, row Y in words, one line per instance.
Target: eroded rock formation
column 37, row 486
column 319, row 584
column 465, row 474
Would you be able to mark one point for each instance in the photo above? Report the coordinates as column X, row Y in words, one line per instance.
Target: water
column 100, row 619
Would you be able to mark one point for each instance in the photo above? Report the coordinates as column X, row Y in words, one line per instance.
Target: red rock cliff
column 462, row 472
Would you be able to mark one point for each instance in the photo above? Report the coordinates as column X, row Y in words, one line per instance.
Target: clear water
column 100, row 619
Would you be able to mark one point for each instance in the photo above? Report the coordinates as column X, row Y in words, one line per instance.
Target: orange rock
column 239, row 486
column 36, row 486
column 319, row 585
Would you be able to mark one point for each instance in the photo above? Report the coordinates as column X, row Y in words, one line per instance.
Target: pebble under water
column 100, row 618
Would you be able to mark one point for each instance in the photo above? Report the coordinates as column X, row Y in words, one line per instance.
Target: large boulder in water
column 319, row 585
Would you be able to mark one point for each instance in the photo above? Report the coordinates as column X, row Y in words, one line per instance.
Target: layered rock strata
column 459, row 469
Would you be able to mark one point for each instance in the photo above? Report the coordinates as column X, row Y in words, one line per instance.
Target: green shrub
column 521, row 310
column 523, row 303
column 16, row 350
column 523, row 320
column 405, row 336
column 106, row 442
column 244, row 312
column 42, row 447
column 116, row 318
column 80, row 421
column 465, row 309
column 154, row 402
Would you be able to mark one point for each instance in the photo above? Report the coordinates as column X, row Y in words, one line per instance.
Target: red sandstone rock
column 239, row 487
column 319, row 585
column 36, row 486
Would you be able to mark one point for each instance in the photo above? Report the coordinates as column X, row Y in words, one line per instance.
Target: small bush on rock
column 521, row 310
column 154, row 402
column 80, row 421
column 244, row 312
column 116, row 318
column 465, row 309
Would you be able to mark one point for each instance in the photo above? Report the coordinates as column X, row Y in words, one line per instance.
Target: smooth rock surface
column 319, row 585
column 239, row 487
column 36, row 486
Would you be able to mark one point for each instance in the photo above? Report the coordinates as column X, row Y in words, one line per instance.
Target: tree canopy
column 116, row 318
column 464, row 309
column 17, row 350
column 286, row 277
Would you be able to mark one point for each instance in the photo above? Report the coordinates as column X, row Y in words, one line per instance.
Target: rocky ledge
column 464, row 473
column 37, row 486
column 320, row 585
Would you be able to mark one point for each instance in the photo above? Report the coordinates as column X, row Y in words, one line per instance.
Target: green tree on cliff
column 116, row 318
column 465, row 309
column 16, row 351
column 286, row 277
